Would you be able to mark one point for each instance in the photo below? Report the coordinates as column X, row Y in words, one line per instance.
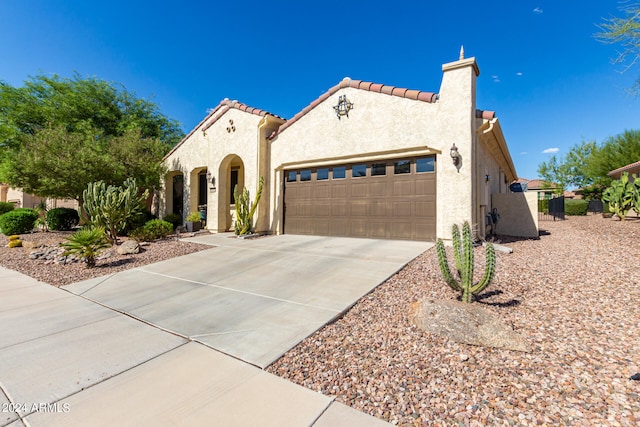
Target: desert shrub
column 6, row 207
column 87, row 243
column 152, row 230
column 174, row 219
column 543, row 205
column 575, row 207
column 113, row 207
column 62, row 219
column 18, row 221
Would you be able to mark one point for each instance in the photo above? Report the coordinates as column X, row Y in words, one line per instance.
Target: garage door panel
column 388, row 205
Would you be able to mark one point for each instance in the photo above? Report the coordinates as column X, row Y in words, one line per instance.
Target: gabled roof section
column 632, row 168
column 359, row 84
column 224, row 106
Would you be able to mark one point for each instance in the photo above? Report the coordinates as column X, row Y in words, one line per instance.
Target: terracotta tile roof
column 359, row 84
column 224, row 106
column 538, row 184
column 626, row 168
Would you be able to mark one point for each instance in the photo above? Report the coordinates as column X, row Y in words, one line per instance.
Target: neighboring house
column 25, row 200
column 632, row 168
column 362, row 160
column 546, row 190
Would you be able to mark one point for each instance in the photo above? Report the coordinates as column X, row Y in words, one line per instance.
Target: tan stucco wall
column 208, row 150
column 390, row 127
column 518, row 214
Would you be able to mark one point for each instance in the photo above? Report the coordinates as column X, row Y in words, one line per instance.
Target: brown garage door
column 392, row 199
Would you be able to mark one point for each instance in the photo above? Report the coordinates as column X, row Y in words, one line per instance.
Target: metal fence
column 555, row 210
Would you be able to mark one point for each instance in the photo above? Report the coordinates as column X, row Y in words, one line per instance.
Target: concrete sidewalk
column 152, row 359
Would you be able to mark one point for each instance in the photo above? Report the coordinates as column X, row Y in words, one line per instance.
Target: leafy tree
column 615, row 152
column 57, row 135
column 625, row 32
column 570, row 169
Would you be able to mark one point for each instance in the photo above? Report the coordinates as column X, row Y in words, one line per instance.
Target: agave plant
column 87, row 243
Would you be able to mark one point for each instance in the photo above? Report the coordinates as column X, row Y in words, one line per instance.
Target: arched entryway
column 231, row 173
column 199, row 191
column 174, row 193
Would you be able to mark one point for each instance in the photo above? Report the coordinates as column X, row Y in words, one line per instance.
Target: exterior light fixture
column 343, row 107
column 212, row 181
column 455, row 155
column 487, row 178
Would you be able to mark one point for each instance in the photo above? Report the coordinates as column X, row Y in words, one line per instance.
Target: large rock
column 465, row 323
column 128, row 247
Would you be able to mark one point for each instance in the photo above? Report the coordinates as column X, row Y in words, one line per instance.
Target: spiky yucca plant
column 463, row 255
column 87, row 243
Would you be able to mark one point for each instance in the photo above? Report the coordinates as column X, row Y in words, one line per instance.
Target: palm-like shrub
column 87, row 243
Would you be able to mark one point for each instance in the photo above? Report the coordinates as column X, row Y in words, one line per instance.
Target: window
column 425, row 164
column 358, row 171
column 402, row 166
column 339, row 172
column 292, row 176
column 322, row 174
column 378, row 169
column 305, row 175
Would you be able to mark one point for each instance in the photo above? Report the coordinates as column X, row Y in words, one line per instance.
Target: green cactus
column 463, row 254
column 620, row 196
column 245, row 210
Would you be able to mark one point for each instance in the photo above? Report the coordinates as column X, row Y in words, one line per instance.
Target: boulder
column 31, row 245
column 128, row 247
column 465, row 323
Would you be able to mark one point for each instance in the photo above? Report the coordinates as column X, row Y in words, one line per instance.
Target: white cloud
column 496, row 79
column 538, row 10
column 553, row 150
column 523, row 153
column 210, row 110
column 518, row 74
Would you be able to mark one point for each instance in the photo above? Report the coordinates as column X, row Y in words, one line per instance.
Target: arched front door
column 231, row 173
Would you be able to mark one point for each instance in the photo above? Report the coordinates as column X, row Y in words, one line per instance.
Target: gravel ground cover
column 63, row 274
column 574, row 295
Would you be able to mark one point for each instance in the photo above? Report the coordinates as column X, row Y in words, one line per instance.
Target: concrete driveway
column 141, row 347
column 253, row 299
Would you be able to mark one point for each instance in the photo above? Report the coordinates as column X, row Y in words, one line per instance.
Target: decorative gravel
column 574, row 295
column 63, row 274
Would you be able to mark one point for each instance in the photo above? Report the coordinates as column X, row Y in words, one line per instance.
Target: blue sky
column 550, row 82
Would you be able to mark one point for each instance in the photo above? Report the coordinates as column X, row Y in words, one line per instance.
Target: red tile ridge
column 217, row 112
column 416, row 95
column 624, row 168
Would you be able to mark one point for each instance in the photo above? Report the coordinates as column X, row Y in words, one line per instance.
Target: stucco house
column 631, row 169
column 362, row 160
column 25, row 200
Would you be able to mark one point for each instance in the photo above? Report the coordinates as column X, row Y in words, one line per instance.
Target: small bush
column 18, row 221
column 152, row 230
column 543, row 206
column 174, row 219
column 62, row 219
column 575, row 207
column 6, row 207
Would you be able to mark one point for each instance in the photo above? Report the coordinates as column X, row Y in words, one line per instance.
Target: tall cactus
column 245, row 210
column 463, row 255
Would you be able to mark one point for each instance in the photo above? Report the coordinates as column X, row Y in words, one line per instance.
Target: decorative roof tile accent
column 486, row 115
column 359, row 84
column 224, row 106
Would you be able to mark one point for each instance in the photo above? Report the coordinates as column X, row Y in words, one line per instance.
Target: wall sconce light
column 212, row 181
column 455, row 155
column 487, row 178
column 343, row 107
